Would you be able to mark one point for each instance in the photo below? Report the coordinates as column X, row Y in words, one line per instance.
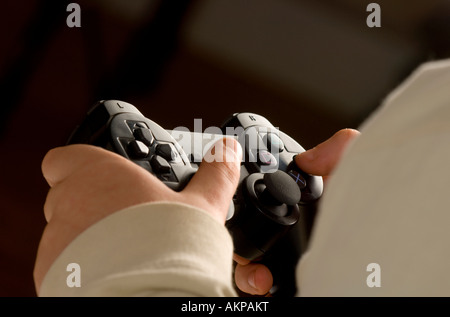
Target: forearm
column 156, row 249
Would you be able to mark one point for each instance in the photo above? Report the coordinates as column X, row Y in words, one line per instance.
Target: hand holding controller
column 273, row 194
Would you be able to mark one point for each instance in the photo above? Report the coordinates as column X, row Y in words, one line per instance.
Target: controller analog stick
column 280, row 189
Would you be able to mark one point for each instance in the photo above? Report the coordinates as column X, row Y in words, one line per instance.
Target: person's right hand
column 255, row 278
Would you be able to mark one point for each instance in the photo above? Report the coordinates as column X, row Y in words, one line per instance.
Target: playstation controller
column 272, row 212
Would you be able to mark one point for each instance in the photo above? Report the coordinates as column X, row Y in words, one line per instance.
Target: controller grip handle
column 283, row 258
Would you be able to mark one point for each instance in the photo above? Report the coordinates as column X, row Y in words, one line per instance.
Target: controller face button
column 273, row 142
column 144, row 135
column 266, row 158
column 298, row 178
column 160, row 165
column 168, row 152
column 138, row 149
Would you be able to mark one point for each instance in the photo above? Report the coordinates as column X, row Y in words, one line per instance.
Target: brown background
column 297, row 63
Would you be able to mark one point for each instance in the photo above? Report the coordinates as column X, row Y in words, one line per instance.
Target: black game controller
column 273, row 209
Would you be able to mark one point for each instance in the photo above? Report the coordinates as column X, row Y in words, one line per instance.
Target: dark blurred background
column 311, row 67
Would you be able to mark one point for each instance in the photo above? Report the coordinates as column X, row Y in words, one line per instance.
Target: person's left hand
column 89, row 183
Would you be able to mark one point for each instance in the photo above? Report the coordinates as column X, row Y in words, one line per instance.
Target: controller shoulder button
column 247, row 119
column 114, row 107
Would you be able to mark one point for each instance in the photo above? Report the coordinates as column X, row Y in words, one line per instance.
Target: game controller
column 273, row 209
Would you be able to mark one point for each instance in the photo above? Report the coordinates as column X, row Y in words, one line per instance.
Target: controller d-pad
column 133, row 125
column 160, row 165
column 138, row 149
column 144, row 135
column 266, row 158
column 168, row 152
column 138, row 125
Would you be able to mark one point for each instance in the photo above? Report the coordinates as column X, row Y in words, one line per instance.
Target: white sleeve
column 155, row 249
column 388, row 201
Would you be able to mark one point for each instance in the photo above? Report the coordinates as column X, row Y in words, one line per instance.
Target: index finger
column 322, row 159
